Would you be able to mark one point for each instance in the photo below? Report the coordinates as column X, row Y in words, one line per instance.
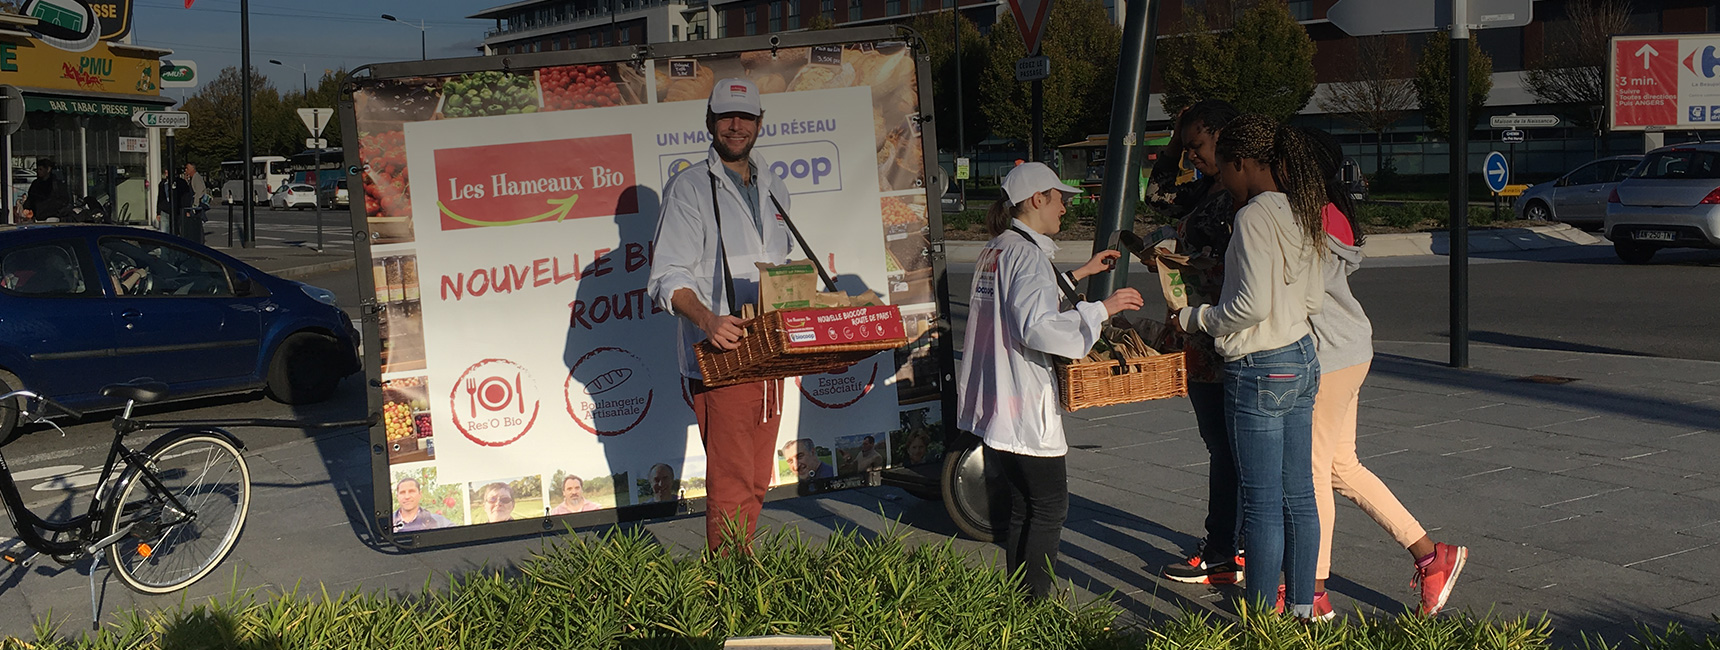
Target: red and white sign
column 1664, row 82
column 1030, row 18
column 494, row 402
column 815, row 327
column 528, row 182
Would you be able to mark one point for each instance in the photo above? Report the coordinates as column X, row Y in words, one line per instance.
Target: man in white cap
column 720, row 216
column 1007, row 395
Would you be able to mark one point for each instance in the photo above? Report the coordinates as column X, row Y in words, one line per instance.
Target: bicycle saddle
column 142, row 390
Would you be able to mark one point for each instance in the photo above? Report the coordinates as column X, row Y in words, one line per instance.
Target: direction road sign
column 316, row 143
column 162, row 119
column 178, row 73
column 1498, row 174
column 1511, row 136
column 1030, row 18
column 11, row 109
column 1515, row 121
column 316, row 119
column 1032, row 68
column 1371, row 17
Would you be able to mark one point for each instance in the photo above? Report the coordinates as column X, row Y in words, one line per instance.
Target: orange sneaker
column 1435, row 580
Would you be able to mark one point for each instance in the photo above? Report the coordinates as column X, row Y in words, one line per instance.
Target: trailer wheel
column 965, row 495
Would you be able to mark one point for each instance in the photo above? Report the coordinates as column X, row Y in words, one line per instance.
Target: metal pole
column 961, row 137
column 9, row 209
column 172, row 193
column 1459, row 114
column 316, row 188
column 1037, row 149
column 229, row 223
column 248, row 211
column 422, row 52
column 1129, row 105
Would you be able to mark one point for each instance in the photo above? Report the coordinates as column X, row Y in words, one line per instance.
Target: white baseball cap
column 736, row 96
column 1028, row 179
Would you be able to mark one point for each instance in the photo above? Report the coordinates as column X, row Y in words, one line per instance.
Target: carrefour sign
column 1664, row 81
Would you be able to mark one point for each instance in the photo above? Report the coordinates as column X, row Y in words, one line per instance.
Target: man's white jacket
column 1008, row 392
column 686, row 240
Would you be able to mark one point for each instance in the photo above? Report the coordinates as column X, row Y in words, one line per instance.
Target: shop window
column 752, row 20
column 44, row 270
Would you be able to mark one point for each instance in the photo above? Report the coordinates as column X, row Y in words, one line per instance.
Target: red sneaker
column 1322, row 606
column 1437, row 578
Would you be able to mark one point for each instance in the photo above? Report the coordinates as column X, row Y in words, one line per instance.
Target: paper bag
column 786, row 286
column 1171, row 268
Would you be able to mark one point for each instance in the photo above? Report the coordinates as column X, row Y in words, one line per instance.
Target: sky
column 315, row 34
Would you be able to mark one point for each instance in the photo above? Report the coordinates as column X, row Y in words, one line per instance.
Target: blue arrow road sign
column 1497, row 173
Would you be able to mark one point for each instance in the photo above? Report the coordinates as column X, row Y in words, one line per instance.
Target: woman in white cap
column 1016, row 326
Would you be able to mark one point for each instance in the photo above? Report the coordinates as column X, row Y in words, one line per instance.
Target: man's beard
column 727, row 156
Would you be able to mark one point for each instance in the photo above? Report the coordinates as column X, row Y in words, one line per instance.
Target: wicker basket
column 795, row 342
column 1081, row 384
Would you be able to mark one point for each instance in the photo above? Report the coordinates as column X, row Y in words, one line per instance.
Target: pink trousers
column 1336, row 466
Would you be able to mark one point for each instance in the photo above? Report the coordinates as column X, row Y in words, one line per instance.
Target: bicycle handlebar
column 44, row 399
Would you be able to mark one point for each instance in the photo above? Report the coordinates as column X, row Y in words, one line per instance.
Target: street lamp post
column 421, row 32
column 304, row 77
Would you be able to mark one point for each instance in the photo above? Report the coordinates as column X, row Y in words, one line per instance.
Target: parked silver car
column 1672, row 200
column 1579, row 197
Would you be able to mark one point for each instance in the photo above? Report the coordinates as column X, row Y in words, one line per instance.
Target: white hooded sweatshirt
column 1015, row 328
column 1272, row 283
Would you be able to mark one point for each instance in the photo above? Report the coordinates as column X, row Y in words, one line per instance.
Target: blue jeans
column 1223, row 521
column 1269, row 405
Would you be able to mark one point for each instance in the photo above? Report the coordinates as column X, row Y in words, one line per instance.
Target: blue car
column 82, row 306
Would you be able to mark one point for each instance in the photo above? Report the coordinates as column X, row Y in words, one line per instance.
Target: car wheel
column 966, row 496
column 1537, row 211
column 306, row 369
column 9, row 410
column 1634, row 253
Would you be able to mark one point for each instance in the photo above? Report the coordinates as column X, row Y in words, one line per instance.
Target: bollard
column 229, row 224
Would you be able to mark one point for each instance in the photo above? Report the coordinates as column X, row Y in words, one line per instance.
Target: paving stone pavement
column 1595, row 503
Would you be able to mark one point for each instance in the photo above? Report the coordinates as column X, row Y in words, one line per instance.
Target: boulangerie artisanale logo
column 529, row 182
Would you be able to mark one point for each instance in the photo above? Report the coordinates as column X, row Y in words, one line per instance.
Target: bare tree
column 1377, row 93
column 1572, row 69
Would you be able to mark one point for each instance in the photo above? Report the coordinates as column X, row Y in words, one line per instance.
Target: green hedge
column 623, row 590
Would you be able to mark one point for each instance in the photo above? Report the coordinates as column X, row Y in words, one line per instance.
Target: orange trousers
column 1336, row 466
column 738, row 425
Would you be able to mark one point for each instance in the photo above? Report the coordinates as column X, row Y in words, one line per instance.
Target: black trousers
column 1029, row 501
column 1223, row 521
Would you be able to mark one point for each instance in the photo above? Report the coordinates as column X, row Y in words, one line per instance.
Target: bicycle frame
column 86, row 527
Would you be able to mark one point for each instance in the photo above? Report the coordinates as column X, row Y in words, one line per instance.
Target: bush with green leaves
column 623, row 590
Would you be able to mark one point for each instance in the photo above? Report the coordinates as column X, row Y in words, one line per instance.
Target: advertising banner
column 524, row 371
column 1665, row 82
column 32, row 64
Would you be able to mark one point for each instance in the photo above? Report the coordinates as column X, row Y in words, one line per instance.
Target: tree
column 1433, row 83
column 1264, row 63
column 936, row 31
column 1083, row 44
column 215, row 133
column 1573, row 69
column 820, row 22
column 1376, row 95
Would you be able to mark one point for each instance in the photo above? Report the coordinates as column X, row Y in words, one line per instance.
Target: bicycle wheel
column 167, row 549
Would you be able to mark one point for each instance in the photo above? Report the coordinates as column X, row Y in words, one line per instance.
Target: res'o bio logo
column 494, row 402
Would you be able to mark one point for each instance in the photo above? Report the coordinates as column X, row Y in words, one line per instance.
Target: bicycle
column 164, row 516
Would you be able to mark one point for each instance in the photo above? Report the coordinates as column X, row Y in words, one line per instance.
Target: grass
column 623, row 590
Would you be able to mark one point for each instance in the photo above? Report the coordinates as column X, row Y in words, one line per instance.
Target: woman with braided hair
column 1344, row 342
column 1272, row 283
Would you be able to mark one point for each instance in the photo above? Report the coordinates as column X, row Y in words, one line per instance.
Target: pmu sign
column 1664, row 81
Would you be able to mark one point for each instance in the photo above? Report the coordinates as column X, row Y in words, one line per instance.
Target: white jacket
column 1007, row 389
column 686, row 255
column 1272, row 283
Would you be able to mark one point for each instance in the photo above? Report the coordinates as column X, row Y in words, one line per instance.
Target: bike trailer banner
column 523, row 373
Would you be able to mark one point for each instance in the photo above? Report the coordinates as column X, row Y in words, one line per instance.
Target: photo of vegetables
column 489, row 93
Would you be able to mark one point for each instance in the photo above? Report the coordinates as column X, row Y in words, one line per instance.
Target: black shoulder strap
column 1062, row 283
column 829, row 284
column 722, row 251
